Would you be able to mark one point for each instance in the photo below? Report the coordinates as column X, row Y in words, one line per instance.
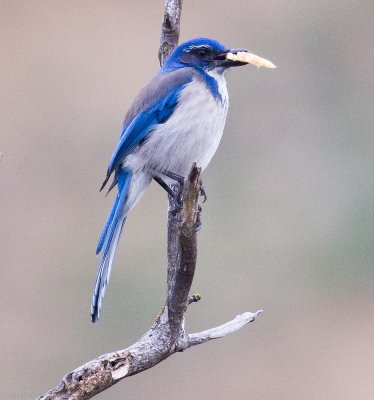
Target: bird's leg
column 176, row 196
column 165, row 186
column 174, row 177
column 179, row 179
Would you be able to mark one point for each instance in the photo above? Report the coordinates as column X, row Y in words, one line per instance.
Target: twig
column 223, row 330
column 194, row 298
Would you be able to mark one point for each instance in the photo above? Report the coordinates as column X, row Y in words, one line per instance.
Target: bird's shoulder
column 161, row 87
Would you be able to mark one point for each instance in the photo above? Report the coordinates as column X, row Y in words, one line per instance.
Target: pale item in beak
column 249, row 58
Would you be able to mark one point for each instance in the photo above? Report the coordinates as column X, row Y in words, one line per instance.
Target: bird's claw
column 202, row 191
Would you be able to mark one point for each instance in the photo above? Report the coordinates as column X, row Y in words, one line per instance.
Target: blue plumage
column 107, row 225
column 177, row 119
column 139, row 127
column 109, row 239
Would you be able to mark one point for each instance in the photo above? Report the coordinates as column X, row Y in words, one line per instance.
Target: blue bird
column 177, row 119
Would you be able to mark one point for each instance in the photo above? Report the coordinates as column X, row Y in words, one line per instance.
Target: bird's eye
column 203, row 54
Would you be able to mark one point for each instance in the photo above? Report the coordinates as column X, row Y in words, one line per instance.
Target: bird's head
column 209, row 54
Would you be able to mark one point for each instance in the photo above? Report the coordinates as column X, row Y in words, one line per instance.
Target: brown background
column 288, row 226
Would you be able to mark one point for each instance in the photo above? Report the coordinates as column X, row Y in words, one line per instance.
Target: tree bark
column 170, row 29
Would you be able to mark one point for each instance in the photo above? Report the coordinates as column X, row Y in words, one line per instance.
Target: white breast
column 191, row 134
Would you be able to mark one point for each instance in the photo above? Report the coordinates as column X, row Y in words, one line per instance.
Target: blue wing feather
column 153, row 106
column 107, row 225
column 141, row 125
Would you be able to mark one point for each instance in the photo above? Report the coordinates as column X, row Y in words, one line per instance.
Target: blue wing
column 153, row 106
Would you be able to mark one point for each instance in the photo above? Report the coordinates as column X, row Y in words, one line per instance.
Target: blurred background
column 288, row 226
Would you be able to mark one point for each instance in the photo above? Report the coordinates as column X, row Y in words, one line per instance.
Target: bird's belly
column 191, row 134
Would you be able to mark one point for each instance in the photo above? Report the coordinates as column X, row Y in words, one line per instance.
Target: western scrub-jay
column 177, row 119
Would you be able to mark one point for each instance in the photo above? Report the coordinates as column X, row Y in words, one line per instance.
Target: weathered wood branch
column 167, row 335
column 170, row 29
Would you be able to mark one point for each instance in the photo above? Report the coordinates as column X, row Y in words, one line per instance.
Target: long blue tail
column 108, row 243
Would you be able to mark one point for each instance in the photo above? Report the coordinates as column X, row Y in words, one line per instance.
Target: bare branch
column 223, row 330
column 182, row 248
column 170, row 29
column 167, row 334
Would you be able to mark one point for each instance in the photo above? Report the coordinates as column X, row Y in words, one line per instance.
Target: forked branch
column 167, row 335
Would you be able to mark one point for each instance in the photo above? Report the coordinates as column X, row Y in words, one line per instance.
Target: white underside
column 191, row 134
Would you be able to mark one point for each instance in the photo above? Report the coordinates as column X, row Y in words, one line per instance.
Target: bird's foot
column 177, row 195
column 175, row 191
column 175, row 177
column 202, row 191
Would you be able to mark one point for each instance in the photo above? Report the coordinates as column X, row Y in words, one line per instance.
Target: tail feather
column 108, row 242
column 107, row 225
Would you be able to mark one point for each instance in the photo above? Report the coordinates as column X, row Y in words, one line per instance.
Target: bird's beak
column 237, row 57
